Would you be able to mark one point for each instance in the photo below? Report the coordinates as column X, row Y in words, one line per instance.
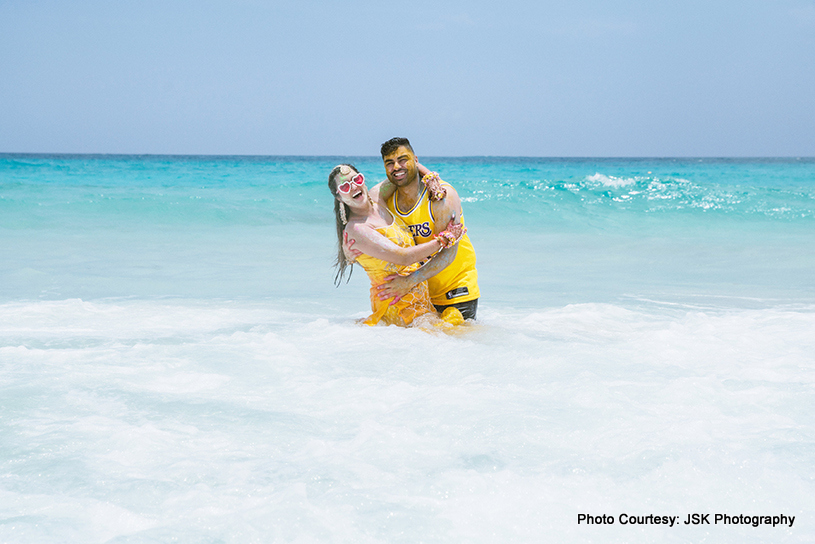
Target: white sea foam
column 611, row 181
column 243, row 422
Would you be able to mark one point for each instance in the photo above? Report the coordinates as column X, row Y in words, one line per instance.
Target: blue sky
column 308, row 77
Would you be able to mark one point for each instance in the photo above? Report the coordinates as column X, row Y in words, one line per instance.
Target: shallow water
column 176, row 365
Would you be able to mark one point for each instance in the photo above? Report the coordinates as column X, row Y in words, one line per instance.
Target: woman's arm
column 370, row 242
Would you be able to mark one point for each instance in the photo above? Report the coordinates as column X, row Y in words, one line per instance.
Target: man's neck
column 408, row 195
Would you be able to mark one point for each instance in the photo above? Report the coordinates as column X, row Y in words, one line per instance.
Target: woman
column 387, row 246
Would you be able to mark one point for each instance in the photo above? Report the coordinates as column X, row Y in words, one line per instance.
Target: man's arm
column 382, row 191
column 443, row 212
column 398, row 286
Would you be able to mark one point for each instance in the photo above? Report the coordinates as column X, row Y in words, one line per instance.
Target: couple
column 392, row 228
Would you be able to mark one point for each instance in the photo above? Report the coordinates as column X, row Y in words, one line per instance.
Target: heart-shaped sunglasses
column 359, row 179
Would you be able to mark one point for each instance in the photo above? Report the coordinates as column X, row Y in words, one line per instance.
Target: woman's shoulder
column 353, row 226
column 357, row 226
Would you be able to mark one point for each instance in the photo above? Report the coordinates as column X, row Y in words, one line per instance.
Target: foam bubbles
column 164, row 419
column 611, row 181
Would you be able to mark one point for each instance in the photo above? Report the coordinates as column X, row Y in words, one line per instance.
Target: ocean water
column 176, row 364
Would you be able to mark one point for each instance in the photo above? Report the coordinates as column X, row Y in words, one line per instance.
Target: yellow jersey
column 459, row 281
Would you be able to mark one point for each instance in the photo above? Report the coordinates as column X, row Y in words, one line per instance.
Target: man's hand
column 350, row 253
column 395, row 286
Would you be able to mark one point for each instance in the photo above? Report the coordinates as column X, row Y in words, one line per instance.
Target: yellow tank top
column 459, row 281
column 415, row 303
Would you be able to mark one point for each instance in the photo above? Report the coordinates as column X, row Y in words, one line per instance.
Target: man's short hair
column 393, row 144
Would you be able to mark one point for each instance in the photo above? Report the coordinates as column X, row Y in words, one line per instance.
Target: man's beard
column 407, row 180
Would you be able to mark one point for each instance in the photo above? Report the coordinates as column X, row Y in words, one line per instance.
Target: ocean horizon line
column 443, row 157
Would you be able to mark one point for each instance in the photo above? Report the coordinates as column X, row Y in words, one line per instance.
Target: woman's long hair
column 341, row 264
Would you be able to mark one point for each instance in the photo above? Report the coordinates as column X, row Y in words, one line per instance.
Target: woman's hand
column 432, row 181
column 452, row 234
column 456, row 229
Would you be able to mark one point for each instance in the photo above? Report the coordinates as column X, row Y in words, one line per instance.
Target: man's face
column 400, row 166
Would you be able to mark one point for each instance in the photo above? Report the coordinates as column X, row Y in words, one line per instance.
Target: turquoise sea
column 176, row 364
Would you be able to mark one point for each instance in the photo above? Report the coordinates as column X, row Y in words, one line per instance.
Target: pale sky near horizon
column 459, row 78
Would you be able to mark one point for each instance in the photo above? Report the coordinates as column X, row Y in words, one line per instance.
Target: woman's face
column 351, row 187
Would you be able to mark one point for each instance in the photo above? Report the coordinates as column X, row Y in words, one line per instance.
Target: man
column 451, row 275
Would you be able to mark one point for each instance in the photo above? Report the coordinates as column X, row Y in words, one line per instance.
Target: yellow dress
column 415, row 303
